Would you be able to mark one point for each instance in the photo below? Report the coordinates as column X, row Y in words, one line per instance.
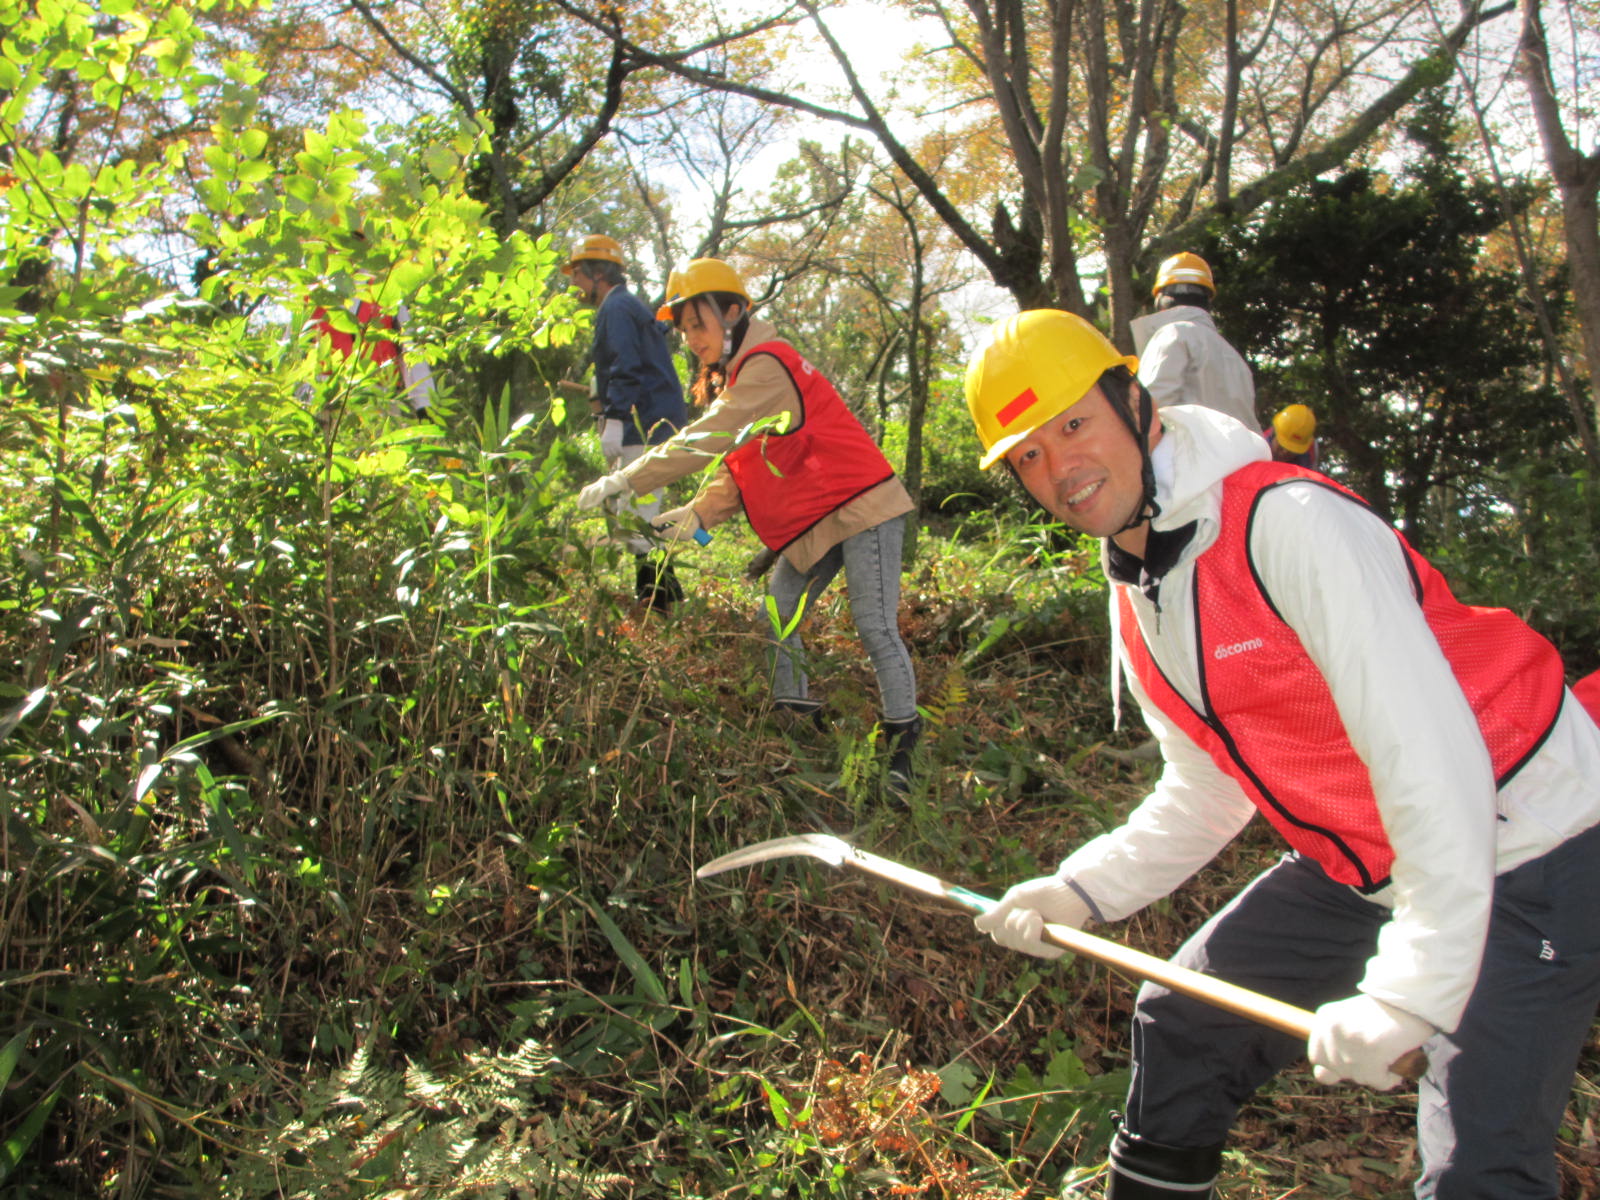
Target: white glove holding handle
column 602, row 489
column 611, row 439
column 1359, row 1038
column 1019, row 917
column 678, row 524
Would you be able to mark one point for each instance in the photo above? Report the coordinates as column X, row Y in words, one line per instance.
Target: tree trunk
column 1577, row 178
column 917, row 368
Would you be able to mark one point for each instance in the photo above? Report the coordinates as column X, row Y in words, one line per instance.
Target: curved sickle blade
column 831, row 850
column 837, row 852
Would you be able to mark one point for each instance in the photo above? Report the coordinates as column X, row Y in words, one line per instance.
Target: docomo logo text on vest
column 1237, row 648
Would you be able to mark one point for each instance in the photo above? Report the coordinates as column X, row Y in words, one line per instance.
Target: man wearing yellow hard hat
column 1182, row 357
column 1431, row 773
column 636, row 390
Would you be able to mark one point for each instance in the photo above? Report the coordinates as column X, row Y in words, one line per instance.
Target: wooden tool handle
column 1219, row 993
column 1275, row 1014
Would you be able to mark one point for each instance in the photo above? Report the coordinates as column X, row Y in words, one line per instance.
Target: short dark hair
column 1191, row 294
column 602, row 269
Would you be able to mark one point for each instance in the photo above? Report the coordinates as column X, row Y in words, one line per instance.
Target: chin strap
column 1148, row 509
column 732, row 337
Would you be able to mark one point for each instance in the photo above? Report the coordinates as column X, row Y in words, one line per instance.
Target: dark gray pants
column 871, row 564
column 1492, row 1100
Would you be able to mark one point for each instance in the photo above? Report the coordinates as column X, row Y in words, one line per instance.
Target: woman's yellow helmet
column 702, row 275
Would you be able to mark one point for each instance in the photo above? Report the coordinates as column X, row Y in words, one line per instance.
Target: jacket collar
column 1199, row 448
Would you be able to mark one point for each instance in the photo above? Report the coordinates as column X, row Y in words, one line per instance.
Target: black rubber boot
column 901, row 738
column 793, row 712
column 1146, row 1170
column 656, row 583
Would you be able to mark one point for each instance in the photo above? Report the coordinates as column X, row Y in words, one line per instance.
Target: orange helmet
column 1184, row 268
column 593, row 247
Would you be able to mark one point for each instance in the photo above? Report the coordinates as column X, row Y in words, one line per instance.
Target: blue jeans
column 871, row 562
column 1491, row 1102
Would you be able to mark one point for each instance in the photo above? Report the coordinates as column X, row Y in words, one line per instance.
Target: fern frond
column 946, row 704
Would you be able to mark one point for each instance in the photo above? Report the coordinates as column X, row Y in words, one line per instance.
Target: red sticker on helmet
column 1017, row 407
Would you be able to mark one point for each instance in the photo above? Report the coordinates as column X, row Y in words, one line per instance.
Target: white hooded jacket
column 1338, row 576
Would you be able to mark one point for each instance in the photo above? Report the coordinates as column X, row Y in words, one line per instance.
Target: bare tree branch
column 1337, row 150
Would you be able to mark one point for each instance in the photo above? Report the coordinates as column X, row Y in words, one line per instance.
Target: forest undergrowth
column 352, row 818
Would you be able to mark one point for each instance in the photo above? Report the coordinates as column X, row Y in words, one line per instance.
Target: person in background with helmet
column 1292, row 436
column 807, row 475
column 1431, row 773
column 636, row 389
column 1182, row 357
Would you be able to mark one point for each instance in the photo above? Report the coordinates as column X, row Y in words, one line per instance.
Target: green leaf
column 779, row 1106
column 10, row 720
column 76, row 181
column 642, row 974
column 440, row 162
column 147, row 780
column 194, row 742
column 15, row 1146
column 975, row 1107
column 781, row 630
column 10, row 1055
column 74, row 503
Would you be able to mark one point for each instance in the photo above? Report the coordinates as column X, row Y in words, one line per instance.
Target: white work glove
column 1019, row 917
column 611, row 438
column 678, row 524
column 1359, row 1038
column 602, row 489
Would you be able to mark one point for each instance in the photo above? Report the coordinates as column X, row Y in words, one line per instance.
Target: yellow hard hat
column 1033, row 367
column 596, row 247
column 700, row 276
column 1294, row 428
column 1184, row 268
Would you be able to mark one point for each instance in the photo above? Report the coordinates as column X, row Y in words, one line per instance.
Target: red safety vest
column 1587, row 690
column 791, row 480
column 380, row 350
column 1270, row 722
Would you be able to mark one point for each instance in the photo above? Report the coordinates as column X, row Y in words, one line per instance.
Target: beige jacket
column 763, row 392
column 1184, row 360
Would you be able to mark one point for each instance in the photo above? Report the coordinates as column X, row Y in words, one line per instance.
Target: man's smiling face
column 1084, row 466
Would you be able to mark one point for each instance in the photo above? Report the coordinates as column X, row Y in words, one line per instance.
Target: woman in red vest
column 815, row 487
column 413, row 377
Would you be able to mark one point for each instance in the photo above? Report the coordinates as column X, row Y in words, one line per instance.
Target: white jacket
column 1338, row 576
column 1184, row 360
